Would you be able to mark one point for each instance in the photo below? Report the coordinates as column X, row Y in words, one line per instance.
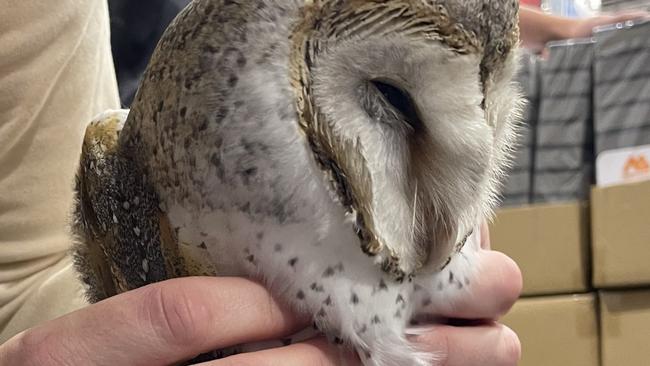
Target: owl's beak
column 441, row 253
column 457, row 248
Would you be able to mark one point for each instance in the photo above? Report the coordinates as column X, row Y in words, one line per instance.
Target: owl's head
column 408, row 106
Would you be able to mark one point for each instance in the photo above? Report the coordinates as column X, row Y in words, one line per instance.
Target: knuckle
column 509, row 348
column 175, row 316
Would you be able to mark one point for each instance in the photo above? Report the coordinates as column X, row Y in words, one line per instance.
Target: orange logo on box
column 636, row 166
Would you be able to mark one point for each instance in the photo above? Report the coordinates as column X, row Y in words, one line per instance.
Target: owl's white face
column 434, row 143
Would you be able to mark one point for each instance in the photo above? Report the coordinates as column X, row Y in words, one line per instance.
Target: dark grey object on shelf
column 618, row 5
column 622, row 87
column 563, row 153
column 517, row 186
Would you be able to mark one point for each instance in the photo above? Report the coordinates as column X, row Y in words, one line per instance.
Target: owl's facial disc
column 412, row 110
column 408, row 125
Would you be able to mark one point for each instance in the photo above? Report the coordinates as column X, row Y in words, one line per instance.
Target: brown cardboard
column 621, row 235
column 625, row 324
column 556, row 330
column 549, row 242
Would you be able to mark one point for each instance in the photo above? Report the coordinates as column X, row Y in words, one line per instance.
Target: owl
column 342, row 152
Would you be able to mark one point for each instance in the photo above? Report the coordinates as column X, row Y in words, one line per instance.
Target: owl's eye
column 400, row 101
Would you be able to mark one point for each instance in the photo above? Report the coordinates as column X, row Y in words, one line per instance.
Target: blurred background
column 578, row 8
column 136, row 27
column 576, row 205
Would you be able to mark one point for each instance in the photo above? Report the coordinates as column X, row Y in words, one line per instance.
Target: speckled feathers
column 262, row 144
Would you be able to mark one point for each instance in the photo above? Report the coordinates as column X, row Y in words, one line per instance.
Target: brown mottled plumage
column 340, row 151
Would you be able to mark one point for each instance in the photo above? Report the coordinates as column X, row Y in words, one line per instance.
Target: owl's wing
column 91, row 231
column 123, row 239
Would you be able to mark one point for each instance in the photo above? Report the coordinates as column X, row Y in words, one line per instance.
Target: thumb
column 159, row 324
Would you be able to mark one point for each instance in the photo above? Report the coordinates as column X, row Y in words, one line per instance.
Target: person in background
column 538, row 28
column 56, row 73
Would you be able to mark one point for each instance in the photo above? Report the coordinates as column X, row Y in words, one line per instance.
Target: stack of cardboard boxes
column 620, row 227
column 584, row 249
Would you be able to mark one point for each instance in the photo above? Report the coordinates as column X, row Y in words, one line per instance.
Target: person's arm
column 537, row 28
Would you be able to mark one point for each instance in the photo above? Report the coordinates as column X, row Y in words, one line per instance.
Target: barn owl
column 343, row 152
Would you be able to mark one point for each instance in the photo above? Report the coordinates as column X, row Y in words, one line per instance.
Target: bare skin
column 538, row 28
column 175, row 320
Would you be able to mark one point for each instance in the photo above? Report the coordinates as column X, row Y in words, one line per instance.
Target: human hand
column 175, row 320
column 167, row 323
column 584, row 27
column 538, row 28
column 474, row 337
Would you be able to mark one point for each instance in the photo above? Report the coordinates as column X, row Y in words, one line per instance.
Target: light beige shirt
column 56, row 73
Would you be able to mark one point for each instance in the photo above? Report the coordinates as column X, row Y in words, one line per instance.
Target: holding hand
column 175, row 320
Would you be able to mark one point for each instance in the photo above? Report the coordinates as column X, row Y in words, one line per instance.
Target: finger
column 490, row 294
column 486, row 345
column 312, row 352
column 158, row 325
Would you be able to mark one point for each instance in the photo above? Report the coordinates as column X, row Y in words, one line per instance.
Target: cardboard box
column 549, row 242
column 557, row 330
column 621, row 235
column 625, row 324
